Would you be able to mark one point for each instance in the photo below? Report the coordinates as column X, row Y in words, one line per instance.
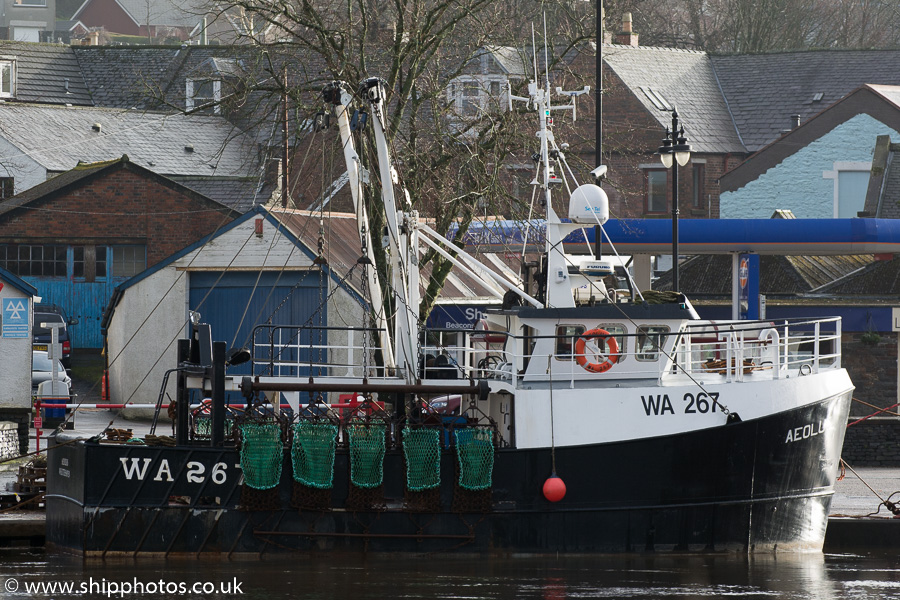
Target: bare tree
column 451, row 143
column 750, row 26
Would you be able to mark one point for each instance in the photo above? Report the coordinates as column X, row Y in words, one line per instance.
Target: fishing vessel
column 579, row 415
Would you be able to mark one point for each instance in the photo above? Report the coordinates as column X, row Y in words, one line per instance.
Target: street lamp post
column 675, row 152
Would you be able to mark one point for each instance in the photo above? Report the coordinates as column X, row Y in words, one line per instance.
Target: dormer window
column 203, row 91
column 7, row 78
column 472, row 96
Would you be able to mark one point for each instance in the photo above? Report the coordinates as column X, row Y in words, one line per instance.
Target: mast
column 339, row 98
column 401, row 236
column 559, row 286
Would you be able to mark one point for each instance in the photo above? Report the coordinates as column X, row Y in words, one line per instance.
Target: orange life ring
column 611, row 344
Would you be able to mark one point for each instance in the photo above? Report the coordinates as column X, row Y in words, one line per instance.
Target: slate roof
column 686, row 80
column 709, row 275
column 880, row 278
column 510, row 59
column 42, row 72
column 764, row 90
column 58, row 137
column 239, row 194
column 82, row 172
column 127, row 76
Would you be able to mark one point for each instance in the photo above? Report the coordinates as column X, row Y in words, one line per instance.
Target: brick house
column 78, row 235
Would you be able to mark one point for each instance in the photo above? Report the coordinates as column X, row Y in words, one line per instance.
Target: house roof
column 702, row 275
column 664, row 77
column 58, row 137
column 883, row 193
column 510, row 59
column 46, row 73
column 879, row 101
column 127, row 76
column 764, row 90
column 84, row 172
column 18, row 283
column 241, row 194
column 879, row 278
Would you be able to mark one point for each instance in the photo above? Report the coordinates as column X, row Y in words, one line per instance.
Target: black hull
column 744, row 487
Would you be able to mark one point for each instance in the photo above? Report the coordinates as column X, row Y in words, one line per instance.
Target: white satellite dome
column 589, row 204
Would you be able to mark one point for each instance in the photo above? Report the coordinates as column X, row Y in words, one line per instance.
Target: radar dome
column 589, row 204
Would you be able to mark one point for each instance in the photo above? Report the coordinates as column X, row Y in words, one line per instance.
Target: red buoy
column 554, row 488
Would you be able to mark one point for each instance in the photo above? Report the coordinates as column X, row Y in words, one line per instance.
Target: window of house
column 203, row 91
column 7, row 78
column 46, row 260
column 650, row 339
column 471, row 96
column 851, row 181
column 656, row 191
column 128, row 261
column 698, row 199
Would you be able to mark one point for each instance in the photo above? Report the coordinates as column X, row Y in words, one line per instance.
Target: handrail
column 704, row 349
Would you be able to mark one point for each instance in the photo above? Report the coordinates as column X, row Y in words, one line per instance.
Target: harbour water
column 795, row 577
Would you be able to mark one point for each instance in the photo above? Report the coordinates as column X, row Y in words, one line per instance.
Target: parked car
column 42, row 370
column 43, row 336
column 46, row 307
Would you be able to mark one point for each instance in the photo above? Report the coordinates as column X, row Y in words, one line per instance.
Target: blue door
column 234, row 303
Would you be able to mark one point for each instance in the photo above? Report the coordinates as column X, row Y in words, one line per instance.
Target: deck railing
column 703, row 349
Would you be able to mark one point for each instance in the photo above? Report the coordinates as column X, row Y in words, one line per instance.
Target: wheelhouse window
column 567, row 336
column 650, row 340
column 655, row 181
column 128, row 261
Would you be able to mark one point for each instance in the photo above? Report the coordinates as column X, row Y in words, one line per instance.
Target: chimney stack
column 795, row 121
column 626, row 37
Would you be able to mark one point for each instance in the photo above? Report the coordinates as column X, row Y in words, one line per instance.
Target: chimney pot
column 795, row 121
column 96, row 127
column 189, row 148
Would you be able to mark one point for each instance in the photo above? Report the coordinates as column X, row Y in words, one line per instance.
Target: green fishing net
column 475, row 452
column 261, row 455
column 367, row 454
column 422, row 448
column 312, row 454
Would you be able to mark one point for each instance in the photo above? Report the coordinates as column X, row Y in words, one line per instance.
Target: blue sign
column 15, row 318
column 748, row 278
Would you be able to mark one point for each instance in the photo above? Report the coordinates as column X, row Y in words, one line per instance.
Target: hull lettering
column 805, row 432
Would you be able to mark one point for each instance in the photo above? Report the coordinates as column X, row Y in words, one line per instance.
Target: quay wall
column 872, row 366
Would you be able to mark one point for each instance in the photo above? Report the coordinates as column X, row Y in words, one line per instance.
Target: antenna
column 546, row 55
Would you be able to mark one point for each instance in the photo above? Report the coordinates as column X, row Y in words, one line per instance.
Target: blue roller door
column 289, row 298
